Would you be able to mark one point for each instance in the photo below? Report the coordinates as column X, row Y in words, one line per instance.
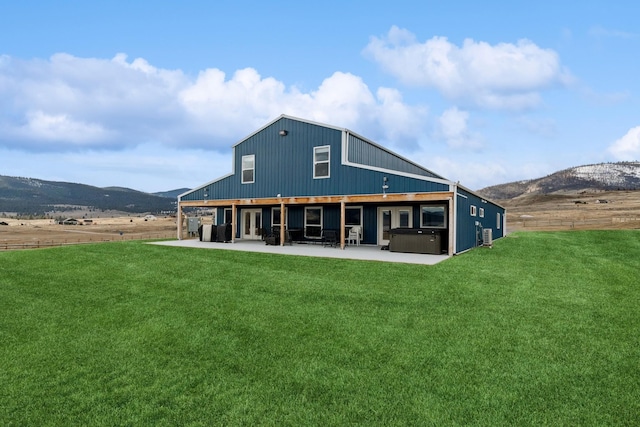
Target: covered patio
column 362, row 252
column 340, row 201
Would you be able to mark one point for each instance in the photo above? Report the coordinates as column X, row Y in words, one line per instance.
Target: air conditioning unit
column 487, row 237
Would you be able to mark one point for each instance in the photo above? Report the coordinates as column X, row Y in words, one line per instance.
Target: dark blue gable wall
column 284, row 165
column 362, row 152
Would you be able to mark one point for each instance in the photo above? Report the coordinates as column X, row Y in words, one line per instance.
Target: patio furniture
column 223, row 233
column 272, row 237
column 329, row 238
column 355, row 235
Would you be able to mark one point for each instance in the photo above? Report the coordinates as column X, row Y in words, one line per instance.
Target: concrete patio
column 362, row 252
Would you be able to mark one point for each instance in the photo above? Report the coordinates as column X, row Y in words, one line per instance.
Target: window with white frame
column 248, row 169
column 313, row 222
column 498, row 220
column 474, row 210
column 433, row 216
column 321, row 161
column 481, row 213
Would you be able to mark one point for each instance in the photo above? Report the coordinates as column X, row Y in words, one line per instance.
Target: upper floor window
column 481, row 212
column 321, row 157
column 248, row 169
column 474, row 210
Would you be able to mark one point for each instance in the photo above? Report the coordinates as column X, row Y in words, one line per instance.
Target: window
column 434, row 216
column 321, row 158
column 498, row 220
column 313, row 222
column 405, row 218
column 473, row 210
column 481, row 213
column 275, row 217
column 227, row 216
column 352, row 217
column 248, row 169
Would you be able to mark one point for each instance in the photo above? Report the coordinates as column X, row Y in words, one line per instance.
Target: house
column 329, row 178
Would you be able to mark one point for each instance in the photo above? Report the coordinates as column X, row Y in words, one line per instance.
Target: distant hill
column 598, row 177
column 173, row 194
column 29, row 196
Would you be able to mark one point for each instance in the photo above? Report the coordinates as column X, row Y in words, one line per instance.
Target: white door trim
column 251, row 223
column 395, row 220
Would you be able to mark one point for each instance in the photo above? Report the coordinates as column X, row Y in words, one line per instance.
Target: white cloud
column 86, row 102
column 452, row 128
column 116, row 103
column 627, row 147
column 60, row 128
column 502, row 76
column 476, row 173
column 472, row 174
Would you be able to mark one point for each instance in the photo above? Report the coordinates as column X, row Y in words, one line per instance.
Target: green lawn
column 543, row 329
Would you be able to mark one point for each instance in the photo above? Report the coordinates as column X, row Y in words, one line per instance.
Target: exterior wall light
column 283, row 132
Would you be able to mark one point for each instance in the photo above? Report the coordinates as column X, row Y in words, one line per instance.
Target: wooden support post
column 342, row 223
column 452, row 226
column 179, row 221
column 283, row 232
column 233, row 223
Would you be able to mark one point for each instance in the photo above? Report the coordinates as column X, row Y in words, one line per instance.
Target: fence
column 47, row 243
column 567, row 224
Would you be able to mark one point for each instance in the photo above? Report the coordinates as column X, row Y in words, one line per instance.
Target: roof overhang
column 318, row 200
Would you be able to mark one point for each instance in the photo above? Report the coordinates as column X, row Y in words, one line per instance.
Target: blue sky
column 151, row 95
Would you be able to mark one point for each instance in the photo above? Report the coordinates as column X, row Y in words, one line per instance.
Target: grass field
column 543, row 329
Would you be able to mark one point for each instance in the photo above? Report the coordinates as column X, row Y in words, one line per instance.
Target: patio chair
column 271, row 237
column 355, row 235
column 329, row 238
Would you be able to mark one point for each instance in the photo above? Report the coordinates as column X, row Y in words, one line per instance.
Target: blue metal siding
column 284, row 165
column 365, row 153
column 466, row 237
column 370, row 224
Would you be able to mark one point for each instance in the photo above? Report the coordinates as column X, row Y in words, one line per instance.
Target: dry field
column 582, row 211
column 46, row 232
column 585, row 211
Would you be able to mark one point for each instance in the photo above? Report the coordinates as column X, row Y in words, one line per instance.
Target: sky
column 152, row 95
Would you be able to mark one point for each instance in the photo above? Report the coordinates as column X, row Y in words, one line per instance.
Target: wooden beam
column 317, row 200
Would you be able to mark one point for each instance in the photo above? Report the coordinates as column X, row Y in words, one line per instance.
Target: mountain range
column 587, row 178
column 30, row 196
